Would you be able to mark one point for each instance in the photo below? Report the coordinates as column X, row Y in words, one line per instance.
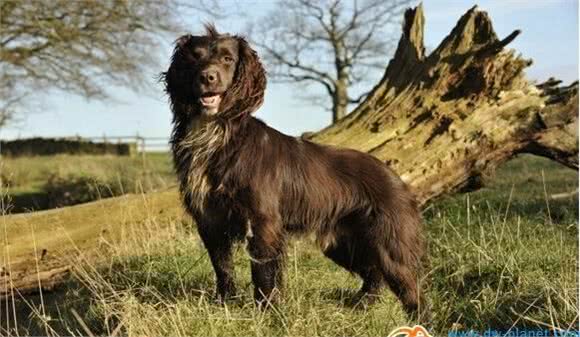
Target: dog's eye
column 228, row 59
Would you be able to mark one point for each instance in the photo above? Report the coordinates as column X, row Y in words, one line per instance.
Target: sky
column 549, row 37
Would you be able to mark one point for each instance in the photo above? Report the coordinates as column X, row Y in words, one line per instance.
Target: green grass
column 503, row 257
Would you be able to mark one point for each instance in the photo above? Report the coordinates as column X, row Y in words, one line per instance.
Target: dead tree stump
column 445, row 120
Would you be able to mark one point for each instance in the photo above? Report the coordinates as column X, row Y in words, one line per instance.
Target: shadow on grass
column 74, row 309
column 51, row 314
column 491, row 296
column 26, row 202
column 342, row 296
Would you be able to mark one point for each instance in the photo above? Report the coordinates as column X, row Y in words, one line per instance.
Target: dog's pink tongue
column 210, row 101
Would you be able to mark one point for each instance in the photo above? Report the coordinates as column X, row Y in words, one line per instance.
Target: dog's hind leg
column 370, row 291
column 358, row 261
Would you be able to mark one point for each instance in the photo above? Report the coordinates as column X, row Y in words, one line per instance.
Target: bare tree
column 337, row 44
column 81, row 47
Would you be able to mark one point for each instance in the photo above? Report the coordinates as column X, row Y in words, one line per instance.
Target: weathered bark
column 445, row 120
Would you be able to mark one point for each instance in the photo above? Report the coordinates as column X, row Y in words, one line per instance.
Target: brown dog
column 241, row 179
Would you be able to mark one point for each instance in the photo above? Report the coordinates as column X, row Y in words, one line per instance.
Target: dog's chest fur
column 193, row 149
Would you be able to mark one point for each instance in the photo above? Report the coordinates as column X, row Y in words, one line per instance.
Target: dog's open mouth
column 210, row 100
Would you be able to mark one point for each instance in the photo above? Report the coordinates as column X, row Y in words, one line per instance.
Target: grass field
column 26, row 179
column 503, row 257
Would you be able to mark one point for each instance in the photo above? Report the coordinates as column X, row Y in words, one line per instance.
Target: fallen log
column 38, row 250
column 23, row 281
column 446, row 120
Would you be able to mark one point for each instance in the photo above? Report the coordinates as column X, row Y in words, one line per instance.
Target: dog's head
column 215, row 75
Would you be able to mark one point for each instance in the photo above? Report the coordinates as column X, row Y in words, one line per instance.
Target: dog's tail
column 402, row 251
column 404, row 243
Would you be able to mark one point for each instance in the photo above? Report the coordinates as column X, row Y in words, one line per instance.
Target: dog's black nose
column 209, row 76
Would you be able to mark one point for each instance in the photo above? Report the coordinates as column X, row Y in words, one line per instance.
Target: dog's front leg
column 219, row 246
column 268, row 251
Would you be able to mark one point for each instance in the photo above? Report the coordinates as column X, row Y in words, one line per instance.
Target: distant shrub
column 52, row 146
column 72, row 179
column 74, row 189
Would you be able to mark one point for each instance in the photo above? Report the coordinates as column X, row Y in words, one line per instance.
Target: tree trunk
column 446, row 120
column 339, row 100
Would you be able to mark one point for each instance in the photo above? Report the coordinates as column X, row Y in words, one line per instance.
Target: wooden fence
column 144, row 144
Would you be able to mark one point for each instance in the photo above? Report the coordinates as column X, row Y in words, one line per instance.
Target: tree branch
column 301, row 78
column 78, row 46
column 295, row 64
column 359, row 99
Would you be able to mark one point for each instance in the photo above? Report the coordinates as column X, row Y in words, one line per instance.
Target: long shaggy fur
column 242, row 180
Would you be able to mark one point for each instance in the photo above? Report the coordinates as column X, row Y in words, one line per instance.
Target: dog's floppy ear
column 182, row 41
column 168, row 77
column 177, row 82
column 247, row 92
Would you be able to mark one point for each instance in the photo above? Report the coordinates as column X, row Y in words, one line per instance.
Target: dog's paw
column 362, row 300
